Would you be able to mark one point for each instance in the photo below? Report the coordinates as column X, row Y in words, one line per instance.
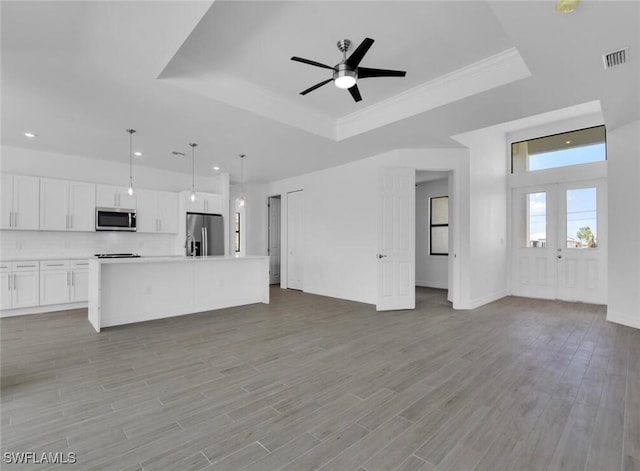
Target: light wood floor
column 316, row 383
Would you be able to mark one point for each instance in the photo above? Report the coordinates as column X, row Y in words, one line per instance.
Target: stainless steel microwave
column 115, row 219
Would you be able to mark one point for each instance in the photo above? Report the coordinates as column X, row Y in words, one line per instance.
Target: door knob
column 381, row 256
column 559, row 256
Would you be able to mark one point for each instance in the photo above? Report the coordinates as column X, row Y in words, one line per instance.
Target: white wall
column 487, row 274
column 623, row 154
column 50, row 244
column 431, row 270
column 341, row 214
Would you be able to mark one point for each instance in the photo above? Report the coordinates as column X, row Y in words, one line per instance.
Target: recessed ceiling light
column 567, row 6
column 216, row 168
column 567, row 142
column 30, row 135
column 138, row 154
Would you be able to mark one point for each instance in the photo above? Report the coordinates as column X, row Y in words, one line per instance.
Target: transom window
column 559, row 150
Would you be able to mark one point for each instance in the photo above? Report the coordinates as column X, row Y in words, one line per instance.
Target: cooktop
column 117, row 255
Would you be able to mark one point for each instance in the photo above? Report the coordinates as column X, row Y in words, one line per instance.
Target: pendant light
column 130, row 190
column 193, row 171
column 241, row 201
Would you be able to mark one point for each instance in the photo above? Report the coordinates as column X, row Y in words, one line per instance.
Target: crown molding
column 491, row 72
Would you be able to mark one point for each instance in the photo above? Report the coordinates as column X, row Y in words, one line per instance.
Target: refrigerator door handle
column 206, row 242
column 202, row 244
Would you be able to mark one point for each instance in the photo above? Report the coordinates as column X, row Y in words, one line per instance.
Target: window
column 582, row 221
column 237, row 232
column 536, row 220
column 439, row 226
column 559, row 150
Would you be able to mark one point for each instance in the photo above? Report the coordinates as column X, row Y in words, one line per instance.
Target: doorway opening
column 274, row 210
column 433, row 233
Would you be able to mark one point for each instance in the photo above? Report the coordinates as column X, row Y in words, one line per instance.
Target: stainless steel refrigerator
column 208, row 234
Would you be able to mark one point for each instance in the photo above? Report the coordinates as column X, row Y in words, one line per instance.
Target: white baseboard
column 476, row 303
column 432, row 284
column 25, row 311
column 624, row 319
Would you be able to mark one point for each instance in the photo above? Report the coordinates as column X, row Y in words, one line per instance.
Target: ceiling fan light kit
column 567, row 6
column 347, row 72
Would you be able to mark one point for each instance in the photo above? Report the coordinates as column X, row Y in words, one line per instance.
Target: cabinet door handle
column 9, row 282
column 72, row 281
column 15, row 219
column 26, row 266
column 14, row 282
column 55, row 265
column 70, row 221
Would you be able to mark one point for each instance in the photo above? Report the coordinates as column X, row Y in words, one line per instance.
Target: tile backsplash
column 50, row 244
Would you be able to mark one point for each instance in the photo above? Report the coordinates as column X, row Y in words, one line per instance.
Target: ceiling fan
column 346, row 73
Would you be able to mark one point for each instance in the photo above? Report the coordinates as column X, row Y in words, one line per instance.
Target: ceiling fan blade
column 364, row 72
column 355, row 58
column 355, row 93
column 310, row 62
column 317, row 85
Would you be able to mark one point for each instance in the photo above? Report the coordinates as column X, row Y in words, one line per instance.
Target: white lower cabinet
column 63, row 281
column 5, row 288
column 20, row 285
column 79, row 291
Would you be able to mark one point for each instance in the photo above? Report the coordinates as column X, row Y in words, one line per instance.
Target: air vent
column 615, row 58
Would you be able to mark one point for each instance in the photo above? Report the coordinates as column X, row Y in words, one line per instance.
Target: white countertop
column 174, row 259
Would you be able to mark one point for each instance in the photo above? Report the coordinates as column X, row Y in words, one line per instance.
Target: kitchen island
column 128, row 290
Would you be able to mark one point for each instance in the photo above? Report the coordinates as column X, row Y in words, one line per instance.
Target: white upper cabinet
column 157, row 212
column 82, row 206
column 204, row 203
column 54, row 205
column 20, row 202
column 146, row 218
column 66, row 206
column 167, row 212
column 108, row 196
column 6, row 217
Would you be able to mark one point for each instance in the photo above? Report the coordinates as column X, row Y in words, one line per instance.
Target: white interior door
column 295, row 241
column 559, row 242
column 396, row 239
column 274, row 240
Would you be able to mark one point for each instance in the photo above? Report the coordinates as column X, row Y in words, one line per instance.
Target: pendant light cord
column 131, row 131
column 242, row 174
column 193, row 167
